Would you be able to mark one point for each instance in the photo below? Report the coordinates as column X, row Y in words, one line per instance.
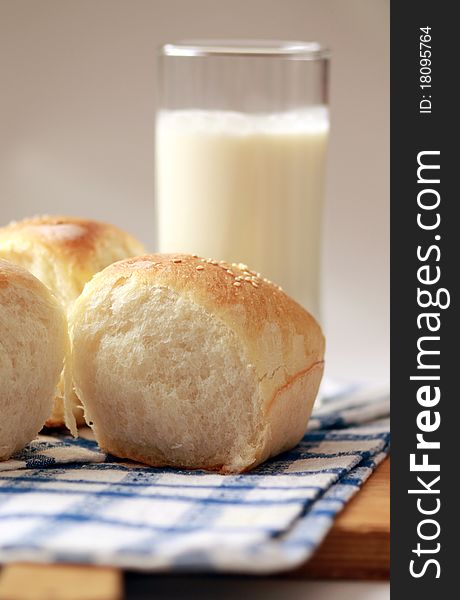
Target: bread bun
column 186, row 362
column 64, row 253
column 33, row 343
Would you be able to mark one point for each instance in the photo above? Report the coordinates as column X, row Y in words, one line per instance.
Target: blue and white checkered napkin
column 63, row 500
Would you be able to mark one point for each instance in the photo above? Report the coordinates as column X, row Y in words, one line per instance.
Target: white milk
column 245, row 188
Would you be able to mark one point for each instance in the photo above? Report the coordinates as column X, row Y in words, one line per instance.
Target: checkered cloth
column 63, row 500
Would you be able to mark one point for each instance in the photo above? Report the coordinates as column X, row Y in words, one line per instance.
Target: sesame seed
column 256, row 285
column 248, row 278
column 236, row 283
column 199, row 268
column 177, row 260
column 230, row 272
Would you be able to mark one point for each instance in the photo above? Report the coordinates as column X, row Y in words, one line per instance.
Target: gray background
column 77, row 100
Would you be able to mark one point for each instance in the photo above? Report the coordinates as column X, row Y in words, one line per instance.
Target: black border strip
column 412, row 132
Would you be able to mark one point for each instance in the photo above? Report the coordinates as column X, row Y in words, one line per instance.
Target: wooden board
column 357, row 547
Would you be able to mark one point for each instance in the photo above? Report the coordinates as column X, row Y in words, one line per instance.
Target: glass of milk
column 241, row 137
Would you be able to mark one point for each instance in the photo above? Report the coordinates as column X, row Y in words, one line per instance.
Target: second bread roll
column 33, row 343
column 186, row 362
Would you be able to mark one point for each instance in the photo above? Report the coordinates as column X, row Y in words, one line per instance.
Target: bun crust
column 33, row 344
column 188, row 362
column 64, row 253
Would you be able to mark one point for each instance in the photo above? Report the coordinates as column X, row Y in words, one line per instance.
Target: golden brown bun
column 33, row 343
column 64, row 253
column 192, row 363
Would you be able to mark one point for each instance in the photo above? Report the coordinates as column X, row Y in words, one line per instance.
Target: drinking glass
column 241, row 137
